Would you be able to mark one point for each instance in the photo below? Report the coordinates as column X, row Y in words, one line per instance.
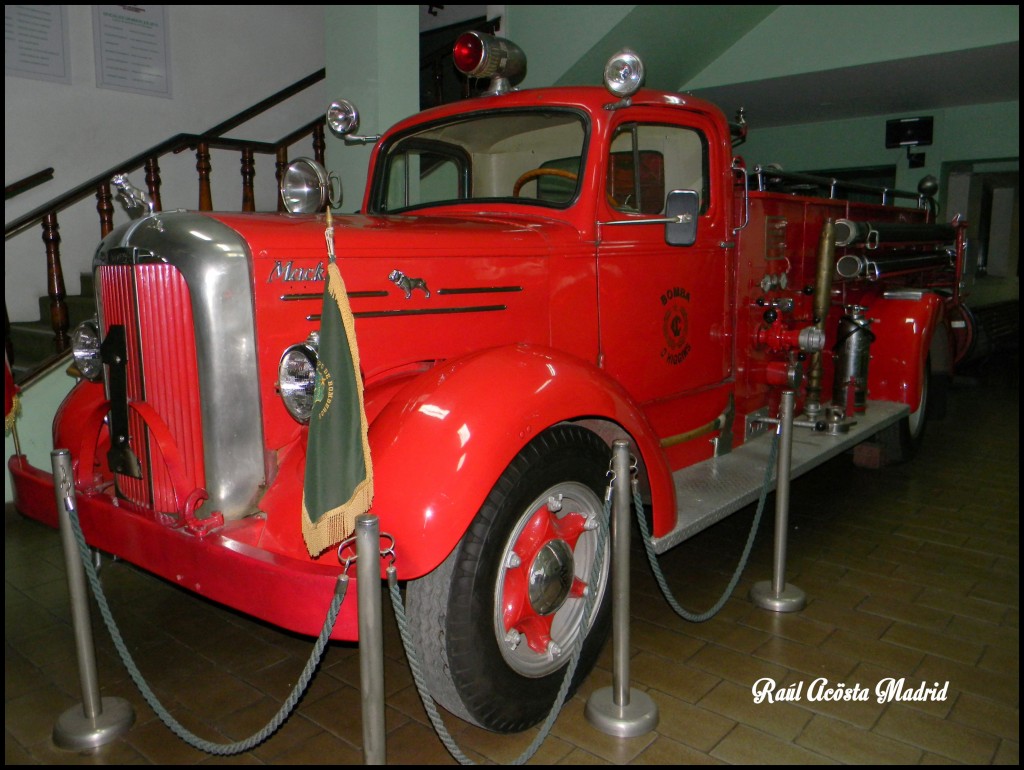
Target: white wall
column 223, row 60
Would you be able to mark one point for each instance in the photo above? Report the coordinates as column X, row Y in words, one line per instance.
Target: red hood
column 358, row 235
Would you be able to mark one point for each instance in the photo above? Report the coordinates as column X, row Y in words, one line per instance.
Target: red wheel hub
column 538, row 576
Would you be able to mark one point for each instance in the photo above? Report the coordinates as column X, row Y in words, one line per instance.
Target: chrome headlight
column 85, row 349
column 296, row 377
column 305, row 187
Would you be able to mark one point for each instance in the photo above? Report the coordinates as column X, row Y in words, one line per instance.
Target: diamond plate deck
column 708, row 492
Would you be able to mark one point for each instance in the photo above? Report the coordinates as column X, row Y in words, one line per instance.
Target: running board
column 711, row 490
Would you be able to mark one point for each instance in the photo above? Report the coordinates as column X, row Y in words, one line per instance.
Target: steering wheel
column 537, row 172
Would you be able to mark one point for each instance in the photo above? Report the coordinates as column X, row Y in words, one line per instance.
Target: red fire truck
column 533, row 275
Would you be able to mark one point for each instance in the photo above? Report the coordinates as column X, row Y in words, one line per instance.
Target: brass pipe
column 822, row 302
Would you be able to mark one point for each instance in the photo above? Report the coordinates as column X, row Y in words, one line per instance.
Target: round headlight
column 85, row 349
column 624, row 73
column 305, row 187
column 296, row 377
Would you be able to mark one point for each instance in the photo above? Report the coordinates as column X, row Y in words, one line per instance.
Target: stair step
column 32, row 341
column 80, row 308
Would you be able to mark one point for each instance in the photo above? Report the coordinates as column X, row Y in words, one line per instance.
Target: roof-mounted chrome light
column 624, row 74
column 479, row 55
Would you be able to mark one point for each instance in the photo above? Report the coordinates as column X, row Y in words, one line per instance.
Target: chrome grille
column 152, row 302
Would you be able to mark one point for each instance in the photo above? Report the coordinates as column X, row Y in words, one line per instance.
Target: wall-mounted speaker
column 908, row 132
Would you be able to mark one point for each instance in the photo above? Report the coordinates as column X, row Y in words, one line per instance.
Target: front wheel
column 496, row 623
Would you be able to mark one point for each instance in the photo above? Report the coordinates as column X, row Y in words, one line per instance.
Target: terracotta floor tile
column 851, row 745
column 911, row 726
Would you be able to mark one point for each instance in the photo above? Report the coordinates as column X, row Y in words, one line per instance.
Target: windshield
column 513, row 156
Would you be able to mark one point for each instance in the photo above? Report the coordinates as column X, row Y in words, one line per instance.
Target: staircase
column 36, row 346
column 33, row 341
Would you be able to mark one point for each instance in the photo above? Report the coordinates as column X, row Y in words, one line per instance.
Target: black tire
column 901, row 442
column 458, row 613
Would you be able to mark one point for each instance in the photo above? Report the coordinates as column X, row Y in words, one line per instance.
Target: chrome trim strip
column 320, row 295
column 481, row 290
column 423, row 311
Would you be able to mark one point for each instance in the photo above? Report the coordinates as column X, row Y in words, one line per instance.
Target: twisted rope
column 652, row 557
column 220, row 749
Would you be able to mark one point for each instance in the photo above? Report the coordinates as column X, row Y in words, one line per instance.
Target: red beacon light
column 478, row 55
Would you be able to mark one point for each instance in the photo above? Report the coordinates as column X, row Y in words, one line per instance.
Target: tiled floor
column 910, row 571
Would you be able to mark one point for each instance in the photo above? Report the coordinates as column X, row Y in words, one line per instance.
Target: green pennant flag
column 339, row 473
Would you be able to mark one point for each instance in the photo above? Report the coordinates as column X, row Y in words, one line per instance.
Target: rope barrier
column 220, row 749
column 652, row 557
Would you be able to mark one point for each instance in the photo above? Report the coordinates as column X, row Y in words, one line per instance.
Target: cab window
column 515, row 156
column 648, row 161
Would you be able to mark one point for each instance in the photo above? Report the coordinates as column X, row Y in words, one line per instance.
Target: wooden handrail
column 99, row 186
column 176, row 143
column 32, row 180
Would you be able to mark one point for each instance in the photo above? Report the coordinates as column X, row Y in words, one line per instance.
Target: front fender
column 441, row 443
column 905, row 332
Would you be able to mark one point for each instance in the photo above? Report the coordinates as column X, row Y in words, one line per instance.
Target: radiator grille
column 152, row 302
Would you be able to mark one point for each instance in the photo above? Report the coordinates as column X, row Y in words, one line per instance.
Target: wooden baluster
column 153, row 183
column 279, row 168
column 105, row 207
column 318, row 143
column 203, row 166
column 55, row 282
column 248, row 172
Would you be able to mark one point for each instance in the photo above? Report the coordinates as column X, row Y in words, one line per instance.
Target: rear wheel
column 497, row 621
column 900, row 442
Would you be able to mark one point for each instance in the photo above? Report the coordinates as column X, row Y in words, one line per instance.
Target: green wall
column 809, row 38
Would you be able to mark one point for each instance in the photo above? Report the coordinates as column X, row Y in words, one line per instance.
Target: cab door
column 665, row 314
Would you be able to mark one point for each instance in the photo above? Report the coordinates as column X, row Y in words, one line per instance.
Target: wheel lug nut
column 513, row 638
column 513, row 560
column 554, row 649
column 555, row 503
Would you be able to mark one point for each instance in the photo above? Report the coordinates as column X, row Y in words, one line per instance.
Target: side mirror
column 682, row 209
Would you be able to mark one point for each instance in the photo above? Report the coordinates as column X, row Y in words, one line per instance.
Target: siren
column 478, row 55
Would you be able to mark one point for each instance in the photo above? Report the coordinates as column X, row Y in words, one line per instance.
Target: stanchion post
column 96, row 721
column 620, row 710
column 371, row 638
column 776, row 595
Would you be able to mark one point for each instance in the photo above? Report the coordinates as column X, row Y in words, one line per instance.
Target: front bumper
column 226, row 566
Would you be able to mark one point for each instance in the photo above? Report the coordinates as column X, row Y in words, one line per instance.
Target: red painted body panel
column 225, row 566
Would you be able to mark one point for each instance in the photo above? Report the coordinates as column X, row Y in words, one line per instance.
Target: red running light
column 468, row 53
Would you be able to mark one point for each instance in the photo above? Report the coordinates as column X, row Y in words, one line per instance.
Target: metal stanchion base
column 790, row 599
column 638, row 717
column 75, row 731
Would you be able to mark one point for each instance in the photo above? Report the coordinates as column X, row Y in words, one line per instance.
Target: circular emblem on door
column 676, row 328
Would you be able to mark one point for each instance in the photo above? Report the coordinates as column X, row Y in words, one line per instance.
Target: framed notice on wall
column 36, row 42
column 132, row 48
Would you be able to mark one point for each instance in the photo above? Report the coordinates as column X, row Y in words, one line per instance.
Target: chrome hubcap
column 551, row 577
